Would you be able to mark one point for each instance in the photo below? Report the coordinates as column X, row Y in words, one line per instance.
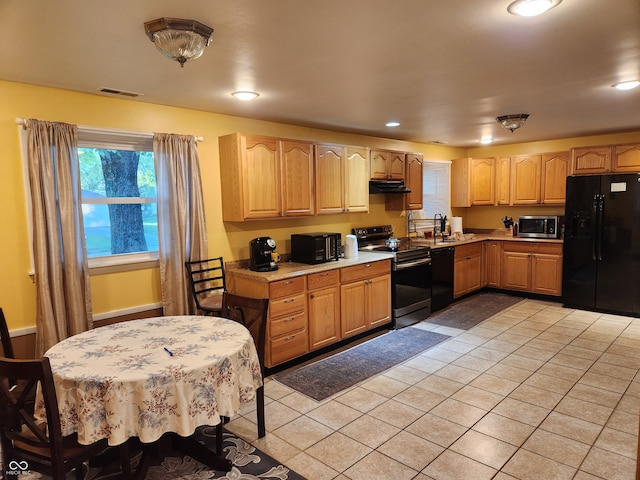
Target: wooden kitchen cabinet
column 589, row 160
column 342, row 183
column 525, row 179
column 265, row 177
column 503, row 180
column 626, row 158
column 413, row 181
column 555, row 168
column 493, row 257
column 532, row 267
column 472, row 182
column 467, row 269
column 365, row 297
column 387, row 165
column 323, row 299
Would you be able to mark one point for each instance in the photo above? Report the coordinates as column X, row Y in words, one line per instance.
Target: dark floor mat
column 469, row 312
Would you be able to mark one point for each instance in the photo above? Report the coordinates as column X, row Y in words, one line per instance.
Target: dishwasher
column 442, row 277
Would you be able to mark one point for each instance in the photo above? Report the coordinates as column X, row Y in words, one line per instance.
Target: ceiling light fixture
column 245, row 95
column 531, row 8
column 392, row 124
column 626, row 85
column 512, row 122
column 178, row 39
column 486, row 140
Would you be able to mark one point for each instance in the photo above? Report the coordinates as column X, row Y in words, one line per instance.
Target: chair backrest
column 7, row 347
column 250, row 312
column 206, row 277
column 23, row 436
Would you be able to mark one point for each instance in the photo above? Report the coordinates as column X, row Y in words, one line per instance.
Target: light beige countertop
column 481, row 238
column 292, row 269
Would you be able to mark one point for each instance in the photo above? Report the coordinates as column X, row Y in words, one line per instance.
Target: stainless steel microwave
column 313, row 248
column 540, row 226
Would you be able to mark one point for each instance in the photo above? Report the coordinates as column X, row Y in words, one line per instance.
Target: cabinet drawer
column 288, row 323
column 288, row 304
column 288, row 346
column 286, row 287
column 533, row 247
column 323, row 279
column 365, row 270
column 468, row 250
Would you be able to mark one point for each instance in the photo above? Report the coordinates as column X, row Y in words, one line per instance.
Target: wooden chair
column 252, row 313
column 27, row 441
column 7, row 347
column 207, row 280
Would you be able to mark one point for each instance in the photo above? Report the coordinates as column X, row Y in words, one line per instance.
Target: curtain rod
column 87, row 128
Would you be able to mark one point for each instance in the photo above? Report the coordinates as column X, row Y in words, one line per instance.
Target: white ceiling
column 443, row 68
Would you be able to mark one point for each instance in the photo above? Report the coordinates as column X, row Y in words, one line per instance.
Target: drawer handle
column 289, row 300
column 289, row 319
column 288, row 282
column 324, row 274
column 367, row 265
column 288, row 339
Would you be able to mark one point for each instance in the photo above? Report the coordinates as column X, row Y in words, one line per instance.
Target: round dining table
column 144, row 378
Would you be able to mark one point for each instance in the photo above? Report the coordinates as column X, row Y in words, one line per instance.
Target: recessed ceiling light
column 486, row 140
column 392, row 124
column 245, row 95
column 626, row 85
column 531, row 8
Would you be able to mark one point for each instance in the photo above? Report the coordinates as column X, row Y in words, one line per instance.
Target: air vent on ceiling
column 114, row 91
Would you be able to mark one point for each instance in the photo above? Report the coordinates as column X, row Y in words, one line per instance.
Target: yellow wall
column 117, row 291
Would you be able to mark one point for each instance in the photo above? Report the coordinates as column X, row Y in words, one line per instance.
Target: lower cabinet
column 532, row 267
column 467, row 269
column 323, row 298
column 365, row 297
column 308, row 312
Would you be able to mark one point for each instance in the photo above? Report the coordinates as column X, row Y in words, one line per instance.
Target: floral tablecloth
column 146, row 377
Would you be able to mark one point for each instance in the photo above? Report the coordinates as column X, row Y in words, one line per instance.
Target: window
column 435, row 185
column 118, row 195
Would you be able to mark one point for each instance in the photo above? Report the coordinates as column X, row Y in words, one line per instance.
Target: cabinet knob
column 312, row 296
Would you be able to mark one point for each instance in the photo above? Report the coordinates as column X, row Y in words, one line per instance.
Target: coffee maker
column 261, row 250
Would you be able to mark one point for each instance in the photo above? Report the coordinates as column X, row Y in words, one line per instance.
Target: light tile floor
column 536, row 392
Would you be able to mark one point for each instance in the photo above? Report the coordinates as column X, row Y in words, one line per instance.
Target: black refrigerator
column 601, row 258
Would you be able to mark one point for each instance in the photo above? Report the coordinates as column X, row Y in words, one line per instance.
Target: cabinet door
column 297, row 178
column 546, row 274
column 395, row 165
column 353, row 318
column 378, row 300
column 494, row 254
column 516, row 270
column 555, row 168
column 329, row 179
column 379, row 160
column 324, row 317
column 503, row 180
column 474, row 272
column 482, row 181
column 356, row 172
column 626, row 158
column 525, row 179
column 413, row 200
column 459, row 277
column 261, row 177
column 587, row 160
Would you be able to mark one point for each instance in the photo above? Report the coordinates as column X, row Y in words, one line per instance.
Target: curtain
column 181, row 230
column 61, row 275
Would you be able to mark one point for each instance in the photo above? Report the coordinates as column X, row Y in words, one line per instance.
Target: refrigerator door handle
column 594, row 241
column 600, row 222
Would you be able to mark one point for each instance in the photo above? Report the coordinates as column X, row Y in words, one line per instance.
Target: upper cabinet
column 265, row 177
column 387, row 165
column 555, row 168
column 342, row 183
column 606, row 158
column 413, row 180
column 525, row 179
column 503, row 181
column 472, row 182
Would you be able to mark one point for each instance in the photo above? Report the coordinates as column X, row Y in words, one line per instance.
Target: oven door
column 411, row 291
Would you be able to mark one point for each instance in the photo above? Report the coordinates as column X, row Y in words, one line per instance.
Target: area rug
column 326, row 377
column 248, row 463
column 469, row 312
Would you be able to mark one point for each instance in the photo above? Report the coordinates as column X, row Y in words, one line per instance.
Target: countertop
column 292, row 269
column 481, row 238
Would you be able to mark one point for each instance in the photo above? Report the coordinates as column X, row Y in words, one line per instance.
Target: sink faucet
column 437, row 218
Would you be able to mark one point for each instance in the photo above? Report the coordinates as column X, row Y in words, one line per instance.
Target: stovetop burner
column 372, row 239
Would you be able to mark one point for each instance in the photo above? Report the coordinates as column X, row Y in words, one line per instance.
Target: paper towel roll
column 351, row 247
column 456, row 224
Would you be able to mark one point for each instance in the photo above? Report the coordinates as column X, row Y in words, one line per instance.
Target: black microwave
column 318, row 247
column 540, row 226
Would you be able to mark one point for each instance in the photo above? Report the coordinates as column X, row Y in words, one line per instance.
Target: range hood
column 388, row 186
